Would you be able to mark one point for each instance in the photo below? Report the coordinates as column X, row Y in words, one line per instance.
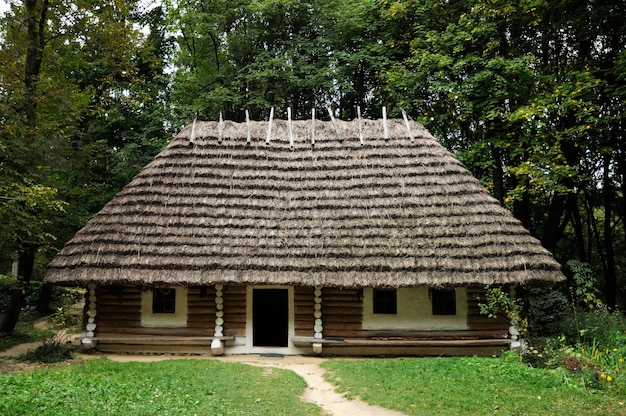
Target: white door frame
column 289, row 349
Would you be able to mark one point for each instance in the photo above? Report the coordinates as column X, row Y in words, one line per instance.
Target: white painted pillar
column 91, row 317
column 317, row 313
column 517, row 342
column 217, row 345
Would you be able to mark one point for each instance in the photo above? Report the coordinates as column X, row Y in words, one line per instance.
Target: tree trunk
column 36, row 17
column 577, row 223
column 621, row 160
column 553, row 227
column 36, row 13
column 45, row 296
column 18, row 295
column 610, row 278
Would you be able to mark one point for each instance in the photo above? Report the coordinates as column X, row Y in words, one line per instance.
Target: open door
column 270, row 317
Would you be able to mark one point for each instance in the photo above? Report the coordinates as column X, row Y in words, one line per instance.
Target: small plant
column 51, row 351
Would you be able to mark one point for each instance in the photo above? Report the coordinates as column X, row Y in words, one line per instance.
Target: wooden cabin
column 301, row 237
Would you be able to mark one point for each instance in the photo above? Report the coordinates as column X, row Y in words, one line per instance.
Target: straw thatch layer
column 341, row 207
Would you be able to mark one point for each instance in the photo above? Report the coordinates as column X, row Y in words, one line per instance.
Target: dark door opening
column 270, row 317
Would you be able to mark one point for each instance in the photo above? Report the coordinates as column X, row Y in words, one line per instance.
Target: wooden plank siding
column 342, row 315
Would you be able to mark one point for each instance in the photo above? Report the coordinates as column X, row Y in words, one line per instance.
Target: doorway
column 270, row 317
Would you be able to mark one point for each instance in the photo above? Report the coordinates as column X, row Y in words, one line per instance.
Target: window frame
column 164, row 300
column 385, row 301
column 443, row 302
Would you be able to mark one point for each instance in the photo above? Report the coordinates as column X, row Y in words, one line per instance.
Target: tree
column 256, row 55
column 76, row 120
column 524, row 94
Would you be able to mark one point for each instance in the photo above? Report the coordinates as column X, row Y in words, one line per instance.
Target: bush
column 593, row 346
column 498, row 303
column 599, row 326
column 7, row 284
column 546, row 311
column 592, row 339
column 51, row 351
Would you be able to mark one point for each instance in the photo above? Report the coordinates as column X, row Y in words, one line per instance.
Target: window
column 385, row 301
column 443, row 301
column 164, row 307
column 164, row 300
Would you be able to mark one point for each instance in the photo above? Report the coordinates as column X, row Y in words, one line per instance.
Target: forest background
column 529, row 94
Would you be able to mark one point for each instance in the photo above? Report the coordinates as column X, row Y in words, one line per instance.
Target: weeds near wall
column 592, row 340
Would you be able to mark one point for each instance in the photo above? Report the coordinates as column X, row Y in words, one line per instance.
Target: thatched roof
column 343, row 212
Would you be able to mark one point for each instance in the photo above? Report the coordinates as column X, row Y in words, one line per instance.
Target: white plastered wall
column 164, row 320
column 414, row 312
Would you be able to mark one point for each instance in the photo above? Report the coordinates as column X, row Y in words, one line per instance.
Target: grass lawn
column 174, row 387
column 414, row 386
column 470, row 386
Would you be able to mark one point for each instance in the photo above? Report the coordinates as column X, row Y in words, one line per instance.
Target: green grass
column 469, row 386
column 414, row 386
column 173, row 387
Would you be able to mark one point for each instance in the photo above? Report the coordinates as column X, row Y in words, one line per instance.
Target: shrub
column 7, row 284
column 592, row 339
column 51, row 351
column 546, row 310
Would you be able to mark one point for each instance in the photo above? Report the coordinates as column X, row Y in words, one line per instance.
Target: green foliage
column 258, row 54
column 7, row 284
column 51, row 351
column 84, row 104
column 585, row 291
column 27, row 212
column 66, row 316
column 467, row 385
column 594, row 365
column 592, row 342
column 209, row 387
column 546, row 309
column 498, row 303
column 525, row 94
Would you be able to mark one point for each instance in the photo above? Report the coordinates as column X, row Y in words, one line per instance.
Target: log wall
column 304, row 321
column 119, row 312
column 342, row 315
column 482, row 324
column 234, row 311
column 342, row 312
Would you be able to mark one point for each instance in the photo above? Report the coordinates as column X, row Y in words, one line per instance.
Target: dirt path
column 318, row 391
